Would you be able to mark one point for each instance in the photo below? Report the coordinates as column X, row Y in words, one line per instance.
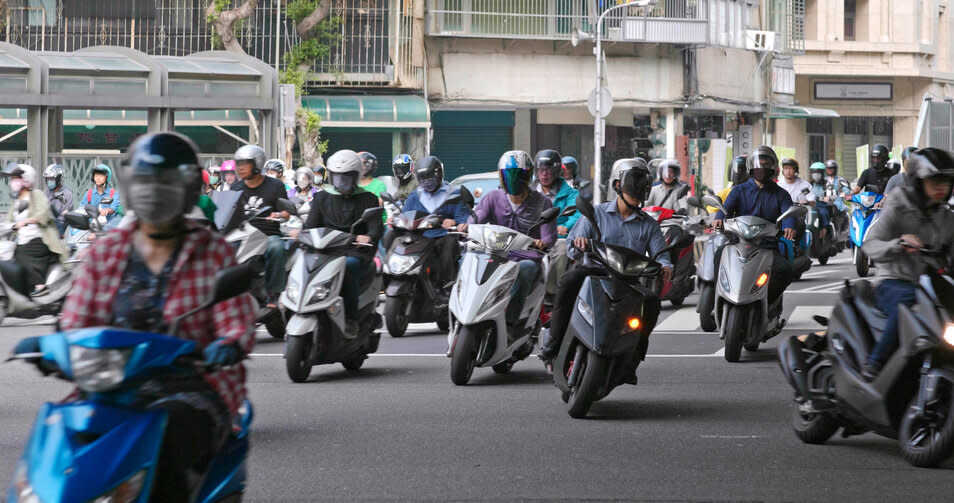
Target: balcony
column 718, row 23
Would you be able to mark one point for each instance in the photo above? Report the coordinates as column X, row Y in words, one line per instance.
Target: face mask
column 303, row 183
column 759, row 175
column 51, row 184
column 214, row 180
column 16, row 185
column 157, row 203
column 429, row 184
column 817, row 177
column 343, row 183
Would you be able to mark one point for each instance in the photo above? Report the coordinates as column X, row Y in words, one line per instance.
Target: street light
column 581, row 36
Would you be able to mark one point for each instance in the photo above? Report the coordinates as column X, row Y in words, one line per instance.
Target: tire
column 276, row 327
column 734, row 332
column 823, row 260
column 861, row 263
column 707, row 308
column 395, row 315
column 503, row 368
column 593, row 375
column 676, row 302
column 464, row 358
column 232, row 498
column 924, row 441
column 443, row 321
column 354, row 363
column 813, row 428
column 751, row 346
column 296, row 358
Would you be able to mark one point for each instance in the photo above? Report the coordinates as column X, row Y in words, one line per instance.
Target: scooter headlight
column 319, row 293
column 22, row 491
column 402, row 264
column 949, row 334
column 749, row 232
column 126, row 492
column 293, row 290
column 867, row 201
column 96, row 370
column 497, row 241
column 585, row 310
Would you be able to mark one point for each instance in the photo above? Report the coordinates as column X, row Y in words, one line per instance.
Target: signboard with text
column 854, row 91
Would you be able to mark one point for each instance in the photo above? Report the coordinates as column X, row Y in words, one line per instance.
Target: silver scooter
column 479, row 335
column 742, row 307
column 312, row 296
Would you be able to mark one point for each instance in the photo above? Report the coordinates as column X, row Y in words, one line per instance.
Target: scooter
column 746, row 319
column 16, row 291
column 608, row 333
column 707, row 270
column 105, row 446
column 413, row 293
column 839, row 218
column 911, row 399
column 479, row 335
column 683, row 280
column 820, row 248
column 316, row 328
column 863, row 216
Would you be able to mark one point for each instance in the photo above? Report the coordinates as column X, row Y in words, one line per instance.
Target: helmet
column 305, row 173
column 161, row 176
column 738, row 172
column 571, row 166
column 880, row 154
column 762, row 164
column 102, row 169
column 515, row 168
column 288, row 176
column 214, row 170
column 894, row 165
column 907, row 152
column 275, row 166
column 548, row 160
column 345, row 168
column 205, row 176
column 228, row 165
column 403, row 168
column 252, row 153
column 429, row 173
column 831, row 164
column 54, row 172
column 788, row 161
column 817, row 172
column 668, row 165
column 320, row 174
column 632, row 177
column 370, row 163
column 24, row 171
column 923, row 164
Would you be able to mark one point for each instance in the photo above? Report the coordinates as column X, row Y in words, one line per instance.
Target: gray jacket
column 663, row 196
column 901, row 216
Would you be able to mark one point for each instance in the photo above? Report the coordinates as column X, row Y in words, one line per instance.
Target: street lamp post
column 598, row 116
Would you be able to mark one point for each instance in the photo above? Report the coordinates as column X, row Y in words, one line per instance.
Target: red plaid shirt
column 202, row 255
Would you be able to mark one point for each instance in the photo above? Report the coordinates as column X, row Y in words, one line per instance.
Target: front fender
column 301, row 324
column 400, row 286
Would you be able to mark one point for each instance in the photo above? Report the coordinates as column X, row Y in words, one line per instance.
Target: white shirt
column 28, row 232
column 795, row 189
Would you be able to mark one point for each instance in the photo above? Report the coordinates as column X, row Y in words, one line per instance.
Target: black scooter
column 911, row 399
column 608, row 333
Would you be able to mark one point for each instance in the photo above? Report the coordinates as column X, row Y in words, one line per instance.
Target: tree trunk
column 224, row 24
column 308, row 142
column 317, row 16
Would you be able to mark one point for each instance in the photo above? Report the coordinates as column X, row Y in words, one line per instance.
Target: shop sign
column 854, row 91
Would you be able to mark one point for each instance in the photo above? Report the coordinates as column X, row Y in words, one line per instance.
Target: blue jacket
column 92, row 198
column 565, row 197
column 768, row 202
column 457, row 212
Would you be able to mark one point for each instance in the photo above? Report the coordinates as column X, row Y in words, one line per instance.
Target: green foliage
column 312, row 128
column 300, row 9
column 316, row 46
column 293, row 76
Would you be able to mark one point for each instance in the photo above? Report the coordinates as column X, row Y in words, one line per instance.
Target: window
column 819, row 126
column 703, row 126
column 850, row 15
column 856, row 125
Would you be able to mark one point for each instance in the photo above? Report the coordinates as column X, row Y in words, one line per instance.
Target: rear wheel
column 734, row 330
column 296, row 358
column 355, row 362
column 443, row 320
column 861, row 263
column 395, row 315
column 815, row 428
column 276, row 326
column 823, row 259
column 592, row 376
column 926, row 438
column 503, row 368
column 464, row 358
column 707, row 308
column 676, row 302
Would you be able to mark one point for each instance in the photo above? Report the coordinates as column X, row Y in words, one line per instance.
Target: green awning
column 370, row 111
column 801, row 112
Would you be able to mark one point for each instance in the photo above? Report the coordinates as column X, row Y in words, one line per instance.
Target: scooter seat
column 866, row 300
column 15, row 277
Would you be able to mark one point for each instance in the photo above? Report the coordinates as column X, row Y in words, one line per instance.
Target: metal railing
column 787, row 17
column 703, row 22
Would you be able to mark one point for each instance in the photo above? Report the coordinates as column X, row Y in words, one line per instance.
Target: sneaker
column 351, row 329
column 870, row 371
column 38, row 290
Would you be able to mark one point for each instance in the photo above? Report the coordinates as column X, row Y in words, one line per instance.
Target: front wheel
column 297, row 363
column 276, row 326
column 464, row 358
column 354, row 363
column 395, row 315
column 735, row 332
column 707, row 308
column 926, row 438
column 592, row 376
column 443, row 320
column 861, row 263
column 814, row 428
column 502, row 368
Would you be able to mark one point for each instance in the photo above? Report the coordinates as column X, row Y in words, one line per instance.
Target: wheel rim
column 926, row 429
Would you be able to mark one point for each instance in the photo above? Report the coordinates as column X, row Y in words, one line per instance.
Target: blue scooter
column 102, row 447
column 863, row 216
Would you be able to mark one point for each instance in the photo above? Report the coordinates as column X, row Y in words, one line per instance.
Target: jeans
column 356, row 269
column 782, row 276
column 824, row 214
column 448, row 255
column 529, row 270
column 891, row 293
column 275, row 266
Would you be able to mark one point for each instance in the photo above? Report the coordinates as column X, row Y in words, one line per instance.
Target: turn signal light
column 763, row 278
column 633, row 323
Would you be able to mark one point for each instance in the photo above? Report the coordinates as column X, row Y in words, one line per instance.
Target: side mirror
column 22, row 204
column 695, row 202
column 682, row 192
column 76, row 220
column 287, row 206
column 794, row 211
column 549, row 215
column 388, row 198
column 712, row 200
column 805, row 191
column 455, row 199
column 466, row 198
column 90, row 211
column 569, row 210
column 371, row 216
column 585, row 207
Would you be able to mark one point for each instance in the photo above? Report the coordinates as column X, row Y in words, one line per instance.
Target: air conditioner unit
column 757, row 40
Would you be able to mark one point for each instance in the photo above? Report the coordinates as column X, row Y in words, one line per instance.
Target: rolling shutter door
column 849, row 168
column 471, row 142
column 376, row 142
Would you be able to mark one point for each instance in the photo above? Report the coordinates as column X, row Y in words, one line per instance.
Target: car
column 478, row 183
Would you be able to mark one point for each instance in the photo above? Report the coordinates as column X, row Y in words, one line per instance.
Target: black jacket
column 339, row 212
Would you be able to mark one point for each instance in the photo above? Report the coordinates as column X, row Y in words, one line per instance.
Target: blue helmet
column 516, row 170
column 570, row 165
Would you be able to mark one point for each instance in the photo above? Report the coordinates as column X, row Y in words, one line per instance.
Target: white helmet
column 24, row 171
column 345, row 169
column 252, row 153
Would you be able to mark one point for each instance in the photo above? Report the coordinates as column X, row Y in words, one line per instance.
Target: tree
column 225, row 20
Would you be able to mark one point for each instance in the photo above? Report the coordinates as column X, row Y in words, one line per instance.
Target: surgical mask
column 51, row 184
column 343, row 183
column 214, row 180
column 817, row 177
column 157, row 203
column 303, row 182
column 429, row 184
column 16, row 185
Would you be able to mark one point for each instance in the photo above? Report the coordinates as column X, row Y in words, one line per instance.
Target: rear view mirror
column 585, row 207
column 794, row 211
column 77, row 220
column 466, row 198
column 694, row 202
column 569, row 210
column 682, row 192
column 388, row 198
column 712, row 200
column 549, row 215
column 452, row 200
column 106, row 201
column 371, row 216
column 22, row 204
column 287, row 206
column 235, row 280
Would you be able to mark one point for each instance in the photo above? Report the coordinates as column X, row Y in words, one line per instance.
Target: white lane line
column 718, row 354
column 801, row 316
column 686, row 318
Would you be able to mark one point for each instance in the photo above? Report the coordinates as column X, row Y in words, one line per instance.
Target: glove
column 222, row 353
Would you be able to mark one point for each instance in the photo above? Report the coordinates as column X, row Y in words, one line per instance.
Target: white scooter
column 312, row 296
column 746, row 319
column 15, row 287
column 479, row 336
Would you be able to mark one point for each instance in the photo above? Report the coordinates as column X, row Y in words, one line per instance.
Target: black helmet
column 548, row 160
column 880, row 154
column 429, row 172
column 831, row 164
column 738, row 172
column 403, row 168
column 788, row 161
column 636, row 181
column 370, row 163
column 763, row 158
column 167, row 160
column 923, row 164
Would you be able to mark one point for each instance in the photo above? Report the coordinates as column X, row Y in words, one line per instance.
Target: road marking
column 684, row 319
column 801, row 316
column 717, row 354
column 730, row 437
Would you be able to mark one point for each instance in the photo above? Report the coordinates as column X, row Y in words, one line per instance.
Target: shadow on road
column 334, row 372
column 762, row 355
column 486, row 377
column 648, row 410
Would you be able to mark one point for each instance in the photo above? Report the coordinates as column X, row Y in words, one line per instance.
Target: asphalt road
column 696, row 428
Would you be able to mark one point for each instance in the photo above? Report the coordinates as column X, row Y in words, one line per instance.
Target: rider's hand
column 581, row 244
column 222, row 353
column 877, row 205
column 717, row 224
column 666, row 274
column 448, row 223
column 293, row 233
column 104, row 212
column 461, row 227
column 563, row 231
column 276, row 215
column 914, row 243
column 789, row 234
column 363, row 239
column 539, row 244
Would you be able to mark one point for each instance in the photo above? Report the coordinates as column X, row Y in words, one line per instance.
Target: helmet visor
column 513, row 180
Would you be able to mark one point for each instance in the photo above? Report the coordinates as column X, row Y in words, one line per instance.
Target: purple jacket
column 495, row 208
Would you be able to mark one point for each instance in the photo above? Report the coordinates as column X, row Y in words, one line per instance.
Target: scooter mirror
column 569, row 210
column 76, row 220
column 22, row 204
column 466, row 198
column 712, row 200
column 794, row 211
column 452, row 200
column 106, row 201
column 694, row 202
column 585, row 207
column 682, row 192
column 229, row 283
column 388, row 198
column 287, row 206
column 805, row 191
column 549, row 215
column 371, row 216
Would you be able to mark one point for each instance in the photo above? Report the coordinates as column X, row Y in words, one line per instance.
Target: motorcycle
column 820, row 247
column 839, row 218
column 707, row 269
column 863, row 216
column 746, row 319
column 413, row 293
column 105, row 445
column 608, row 333
column 316, row 327
column 675, row 228
column 479, row 335
column 911, row 399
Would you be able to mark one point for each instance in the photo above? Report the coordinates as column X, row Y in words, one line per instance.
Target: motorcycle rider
column 878, row 174
column 275, row 168
column 305, row 188
column 259, row 191
column 841, row 193
column 515, row 206
column 229, row 176
column 571, row 173
column 157, row 267
column 917, row 216
column 794, row 185
column 102, row 189
column 621, row 223
column 664, row 194
column 550, row 183
column 368, row 182
column 898, row 179
column 738, row 174
column 321, row 175
column 215, row 177
column 338, row 207
column 817, row 178
column 403, row 170
column 61, row 198
column 762, row 197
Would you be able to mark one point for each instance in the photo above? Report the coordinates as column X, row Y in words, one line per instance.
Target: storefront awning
column 801, row 112
column 370, row 111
